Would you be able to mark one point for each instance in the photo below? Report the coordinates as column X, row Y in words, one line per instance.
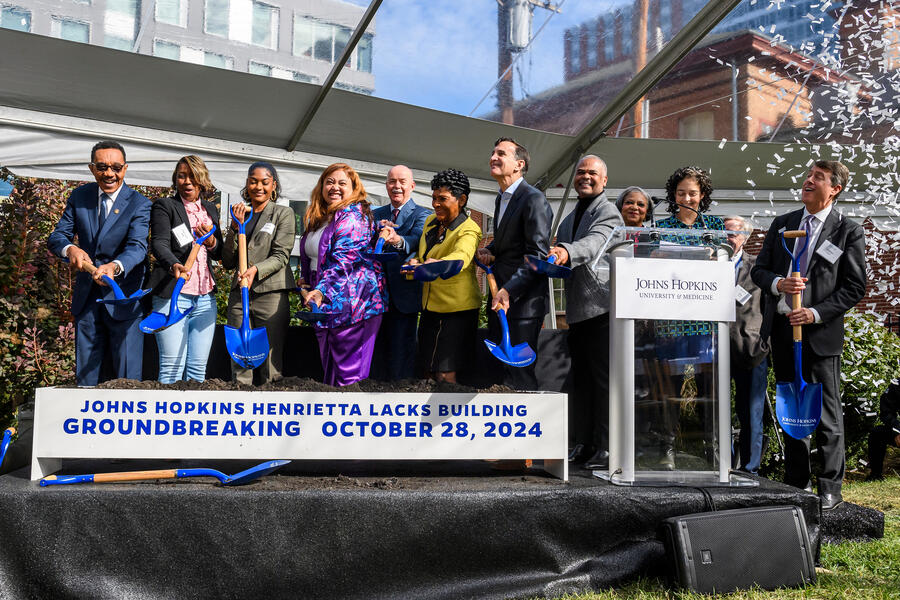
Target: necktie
column 394, row 214
column 803, row 262
column 497, row 211
column 101, row 217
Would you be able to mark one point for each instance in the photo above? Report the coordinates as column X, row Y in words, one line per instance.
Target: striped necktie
column 803, row 262
column 101, row 215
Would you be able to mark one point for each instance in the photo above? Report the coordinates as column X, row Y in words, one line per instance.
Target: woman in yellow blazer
column 449, row 321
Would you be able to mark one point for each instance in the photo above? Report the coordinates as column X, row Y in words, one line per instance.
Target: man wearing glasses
column 111, row 223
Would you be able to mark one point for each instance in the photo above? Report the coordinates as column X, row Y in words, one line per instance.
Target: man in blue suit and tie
column 111, row 223
column 395, row 346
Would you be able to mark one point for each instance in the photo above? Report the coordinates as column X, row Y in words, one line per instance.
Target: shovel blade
column 515, row 356
column 547, row 268
column 260, row 470
column 310, row 316
column 798, row 408
column 128, row 300
column 247, row 348
column 157, row 321
column 443, row 269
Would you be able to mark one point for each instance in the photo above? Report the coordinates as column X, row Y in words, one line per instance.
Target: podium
column 672, row 294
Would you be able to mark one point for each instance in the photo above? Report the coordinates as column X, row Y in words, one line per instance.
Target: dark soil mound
column 297, row 384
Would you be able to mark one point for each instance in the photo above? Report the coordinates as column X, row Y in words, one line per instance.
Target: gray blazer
column 587, row 291
column 747, row 346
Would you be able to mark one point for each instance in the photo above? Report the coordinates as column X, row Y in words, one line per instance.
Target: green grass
column 852, row 570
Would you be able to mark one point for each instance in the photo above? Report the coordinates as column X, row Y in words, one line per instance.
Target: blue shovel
column 547, row 267
column 378, row 253
column 314, row 314
column 520, row 355
column 156, row 321
column 7, row 436
column 246, row 476
column 445, row 269
column 248, row 347
column 798, row 405
column 119, row 296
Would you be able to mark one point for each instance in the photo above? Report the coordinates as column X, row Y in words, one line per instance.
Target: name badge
column 741, row 295
column 182, row 235
column 268, row 228
column 829, row 252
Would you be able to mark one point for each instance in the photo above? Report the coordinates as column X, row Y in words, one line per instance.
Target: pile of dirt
column 298, row 384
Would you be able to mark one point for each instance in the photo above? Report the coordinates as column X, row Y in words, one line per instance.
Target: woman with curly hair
column 449, row 321
column 688, row 192
column 342, row 281
column 270, row 237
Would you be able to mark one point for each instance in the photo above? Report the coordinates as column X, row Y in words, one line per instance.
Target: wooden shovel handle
column 794, row 234
column 492, row 283
column 191, row 259
column 797, row 302
column 242, row 257
column 135, row 475
column 89, row 268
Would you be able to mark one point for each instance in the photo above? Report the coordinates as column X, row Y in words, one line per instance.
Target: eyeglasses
column 102, row 167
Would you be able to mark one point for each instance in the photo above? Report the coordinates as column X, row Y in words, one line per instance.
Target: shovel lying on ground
column 547, row 267
column 798, row 405
column 260, row 470
column 4, row 444
column 314, row 314
column 156, row 321
column 119, row 296
column 520, row 355
column 378, row 253
column 445, row 269
column 248, row 347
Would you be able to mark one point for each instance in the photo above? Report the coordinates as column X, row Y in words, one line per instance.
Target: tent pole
column 336, row 69
column 643, row 81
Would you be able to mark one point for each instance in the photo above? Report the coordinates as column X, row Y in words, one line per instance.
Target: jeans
column 184, row 347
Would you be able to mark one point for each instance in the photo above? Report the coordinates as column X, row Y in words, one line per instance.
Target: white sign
column 108, row 423
column 661, row 288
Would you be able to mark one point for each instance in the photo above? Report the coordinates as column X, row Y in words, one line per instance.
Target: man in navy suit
column 833, row 280
column 522, row 219
column 111, row 223
column 395, row 346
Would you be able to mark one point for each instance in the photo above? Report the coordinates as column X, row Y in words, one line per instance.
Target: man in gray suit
column 581, row 236
column 749, row 367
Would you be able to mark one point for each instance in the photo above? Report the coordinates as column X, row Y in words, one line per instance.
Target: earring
column 274, row 195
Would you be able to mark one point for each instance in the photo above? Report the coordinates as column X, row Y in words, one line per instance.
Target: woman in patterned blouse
column 342, row 281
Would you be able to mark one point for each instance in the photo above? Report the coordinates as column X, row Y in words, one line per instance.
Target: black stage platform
column 380, row 530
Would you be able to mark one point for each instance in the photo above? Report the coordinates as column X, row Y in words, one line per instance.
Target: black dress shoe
column 830, row 501
column 598, row 462
column 580, row 453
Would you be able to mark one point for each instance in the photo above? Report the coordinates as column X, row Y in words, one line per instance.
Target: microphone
column 706, row 238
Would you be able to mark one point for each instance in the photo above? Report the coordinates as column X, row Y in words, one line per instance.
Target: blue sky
column 442, row 54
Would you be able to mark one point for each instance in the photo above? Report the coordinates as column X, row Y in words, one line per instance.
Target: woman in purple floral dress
column 345, row 284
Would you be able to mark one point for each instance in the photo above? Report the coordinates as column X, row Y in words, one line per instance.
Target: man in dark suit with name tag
column 833, row 271
column 522, row 219
column 395, row 347
column 111, row 222
column 749, row 367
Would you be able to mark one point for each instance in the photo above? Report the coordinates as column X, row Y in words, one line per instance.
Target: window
column 173, row 12
column 164, row 49
column 364, row 54
column 699, row 126
column 211, row 59
column 120, row 23
column 609, row 40
column 12, row 17
column 259, row 69
column 323, row 42
column 665, row 18
column 265, row 25
column 305, row 78
column 592, row 43
column 304, row 34
column 215, row 18
column 67, row 29
column 575, row 53
column 341, row 39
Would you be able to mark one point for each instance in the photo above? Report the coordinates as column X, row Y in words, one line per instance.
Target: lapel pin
column 116, row 211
